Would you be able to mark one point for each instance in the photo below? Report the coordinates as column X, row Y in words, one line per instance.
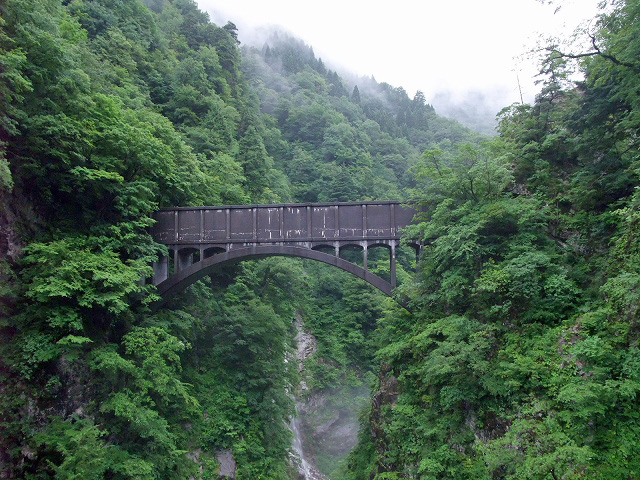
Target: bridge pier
column 365, row 257
column 160, row 270
column 182, row 259
column 392, row 265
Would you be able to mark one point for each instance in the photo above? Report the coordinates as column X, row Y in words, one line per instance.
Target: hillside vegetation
column 518, row 360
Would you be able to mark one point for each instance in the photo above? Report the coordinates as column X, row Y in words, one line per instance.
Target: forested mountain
column 111, row 109
column 519, row 358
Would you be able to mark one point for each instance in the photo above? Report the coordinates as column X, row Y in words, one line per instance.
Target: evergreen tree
column 355, row 95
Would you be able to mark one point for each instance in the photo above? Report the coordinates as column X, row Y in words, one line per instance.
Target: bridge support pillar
column 160, row 270
column 183, row 260
column 365, row 257
column 392, row 266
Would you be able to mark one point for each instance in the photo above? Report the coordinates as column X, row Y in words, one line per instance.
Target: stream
column 306, row 471
column 325, row 426
column 306, row 347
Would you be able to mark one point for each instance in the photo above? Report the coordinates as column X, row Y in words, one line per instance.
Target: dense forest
column 517, row 357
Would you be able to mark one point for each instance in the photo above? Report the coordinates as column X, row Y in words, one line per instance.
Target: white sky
column 428, row 45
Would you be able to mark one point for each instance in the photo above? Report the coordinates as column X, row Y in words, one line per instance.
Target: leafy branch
column 597, row 51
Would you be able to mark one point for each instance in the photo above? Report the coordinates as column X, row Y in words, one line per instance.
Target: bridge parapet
column 199, row 233
column 283, row 223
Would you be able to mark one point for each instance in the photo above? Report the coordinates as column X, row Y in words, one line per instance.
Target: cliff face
column 10, row 243
column 9, row 248
column 330, row 422
column 328, row 417
column 68, row 392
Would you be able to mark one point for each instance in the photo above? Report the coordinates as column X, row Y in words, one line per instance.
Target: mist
column 470, row 59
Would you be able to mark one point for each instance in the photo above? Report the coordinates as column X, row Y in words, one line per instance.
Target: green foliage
column 84, row 144
column 69, row 275
column 255, row 162
column 468, row 173
column 239, row 373
column 78, row 443
column 337, row 148
column 517, row 360
column 109, row 111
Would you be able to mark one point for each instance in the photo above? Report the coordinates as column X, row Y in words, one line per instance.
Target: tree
column 233, row 31
column 255, row 162
column 355, row 95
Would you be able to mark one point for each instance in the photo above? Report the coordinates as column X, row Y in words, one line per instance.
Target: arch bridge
column 203, row 239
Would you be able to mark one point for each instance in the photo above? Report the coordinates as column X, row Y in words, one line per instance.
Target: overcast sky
column 429, row 45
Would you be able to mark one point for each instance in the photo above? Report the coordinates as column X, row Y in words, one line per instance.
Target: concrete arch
column 196, row 271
